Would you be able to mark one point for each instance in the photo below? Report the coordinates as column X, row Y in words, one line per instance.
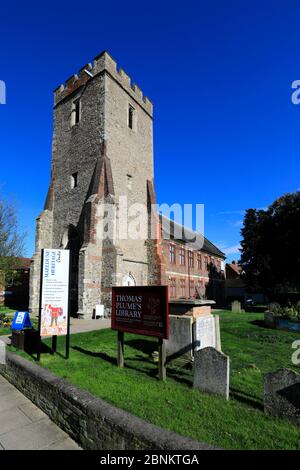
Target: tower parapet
column 103, row 63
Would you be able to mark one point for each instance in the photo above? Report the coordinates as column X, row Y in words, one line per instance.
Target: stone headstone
column 282, row 394
column 201, row 311
column 211, row 372
column 180, row 336
column 99, row 311
column 236, row 306
column 269, row 319
column 205, row 332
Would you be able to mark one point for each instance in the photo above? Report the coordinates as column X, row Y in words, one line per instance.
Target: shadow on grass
column 147, row 347
column 32, row 350
column 180, row 377
column 100, row 355
column 139, row 360
column 260, row 323
column 246, row 399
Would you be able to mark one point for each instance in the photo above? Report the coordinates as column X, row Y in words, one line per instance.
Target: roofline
column 196, row 233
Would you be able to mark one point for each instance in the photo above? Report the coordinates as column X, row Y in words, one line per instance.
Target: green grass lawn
column 8, row 313
column 4, row 331
column 237, row 424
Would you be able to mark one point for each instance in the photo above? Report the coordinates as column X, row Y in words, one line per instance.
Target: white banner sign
column 55, row 293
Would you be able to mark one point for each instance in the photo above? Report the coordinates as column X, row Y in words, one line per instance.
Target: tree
column 11, row 243
column 270, row 253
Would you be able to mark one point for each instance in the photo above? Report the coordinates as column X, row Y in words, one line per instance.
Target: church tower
column 102, row 153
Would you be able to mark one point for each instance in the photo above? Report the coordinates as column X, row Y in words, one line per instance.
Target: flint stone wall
column 90, row 421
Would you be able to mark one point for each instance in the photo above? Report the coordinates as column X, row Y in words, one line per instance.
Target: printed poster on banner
column 55, row 293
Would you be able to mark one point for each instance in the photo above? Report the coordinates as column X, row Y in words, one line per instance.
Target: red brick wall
column 176, row 273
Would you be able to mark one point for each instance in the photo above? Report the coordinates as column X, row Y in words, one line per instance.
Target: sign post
column 54, row 311
column 142, row 310
column 162, row 370
column 121, row 348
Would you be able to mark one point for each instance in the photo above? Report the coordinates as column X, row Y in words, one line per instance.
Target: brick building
column 194, row 267
column 102, row 151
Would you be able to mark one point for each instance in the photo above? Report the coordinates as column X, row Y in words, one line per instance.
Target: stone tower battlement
column 103, row 63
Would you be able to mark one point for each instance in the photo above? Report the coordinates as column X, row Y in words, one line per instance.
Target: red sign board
column 141, row 309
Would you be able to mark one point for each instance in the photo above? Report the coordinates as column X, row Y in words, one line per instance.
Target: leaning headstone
column 211, row 372
column 205, row 332
column 236, row 306
column 270, row 319
column 282, row 394
column 180, row 336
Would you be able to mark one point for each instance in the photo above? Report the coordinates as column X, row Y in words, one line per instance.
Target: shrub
column 5, row 322
column 289, row 311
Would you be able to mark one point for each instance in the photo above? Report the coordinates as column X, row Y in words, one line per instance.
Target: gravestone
column 100, row 311
column 180, row 336
column 201, row 311
column 269, row 319
column 282, row 394
column 236, row 307
column 211, row 372
column 207, row 332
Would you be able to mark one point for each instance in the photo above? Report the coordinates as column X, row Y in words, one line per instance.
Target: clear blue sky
column 219, row 74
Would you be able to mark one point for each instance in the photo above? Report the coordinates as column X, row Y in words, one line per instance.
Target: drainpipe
column 188, row 265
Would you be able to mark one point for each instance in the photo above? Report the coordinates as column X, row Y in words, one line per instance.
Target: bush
column 289, row 311
column 5, row 322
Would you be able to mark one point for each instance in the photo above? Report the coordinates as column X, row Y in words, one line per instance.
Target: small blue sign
column 21, row 320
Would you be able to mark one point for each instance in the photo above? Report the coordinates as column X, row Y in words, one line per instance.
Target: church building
column 102, row 155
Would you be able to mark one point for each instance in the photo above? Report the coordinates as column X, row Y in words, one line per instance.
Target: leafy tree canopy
column 270, row 253
column 11, row 242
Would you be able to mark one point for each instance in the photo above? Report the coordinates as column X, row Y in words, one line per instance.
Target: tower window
column 130, row 116
column 74, row 180
column 129, row 181
column 76, row 112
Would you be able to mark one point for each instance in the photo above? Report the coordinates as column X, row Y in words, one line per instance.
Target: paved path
column 24, row 426
column 79, row 326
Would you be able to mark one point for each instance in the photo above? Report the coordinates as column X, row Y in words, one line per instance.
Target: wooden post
column 162, row 370
column 121, row 348
column 39, row 345
column 69, row 308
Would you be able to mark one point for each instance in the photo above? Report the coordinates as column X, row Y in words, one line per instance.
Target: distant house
column 235, row 286
column 15, row 295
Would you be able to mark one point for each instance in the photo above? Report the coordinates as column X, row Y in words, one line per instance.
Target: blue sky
column 226, row 133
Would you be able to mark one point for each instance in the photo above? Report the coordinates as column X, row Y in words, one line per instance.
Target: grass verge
column 237, row 424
